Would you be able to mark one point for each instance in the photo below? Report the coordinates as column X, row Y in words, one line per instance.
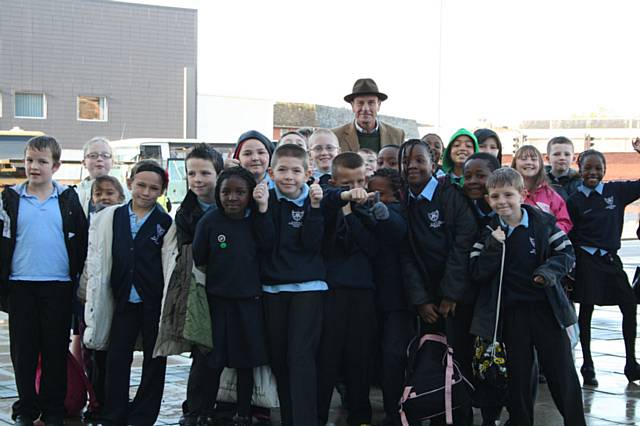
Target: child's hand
column 499, row 235
column 261, row 196
column 447, row 307
column 428, row 312
column 357, row 195
column 315, row 195
column 636, row 145
column 230, row 161
column 538, row 279
column 380, row 211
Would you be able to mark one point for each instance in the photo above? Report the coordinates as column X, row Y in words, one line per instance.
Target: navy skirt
column 601, row 280
column 239, row 339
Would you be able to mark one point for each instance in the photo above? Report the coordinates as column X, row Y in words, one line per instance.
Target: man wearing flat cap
column 366, row 131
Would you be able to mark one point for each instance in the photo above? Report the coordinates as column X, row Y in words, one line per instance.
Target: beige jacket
column 96, row 278
column 348, row 136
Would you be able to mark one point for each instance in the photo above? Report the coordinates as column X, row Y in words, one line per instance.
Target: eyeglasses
column 95, row 155
column 320, row 148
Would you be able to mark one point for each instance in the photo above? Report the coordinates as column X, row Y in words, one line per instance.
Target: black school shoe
column 632, row 371
column 23, row 421
column 589, row 375
column 54, row 421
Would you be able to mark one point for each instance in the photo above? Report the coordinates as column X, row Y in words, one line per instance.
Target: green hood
column 447, row 164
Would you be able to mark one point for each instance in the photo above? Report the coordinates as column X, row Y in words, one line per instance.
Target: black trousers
column 533, row 325
column 39, row 323
column 294, row 324
column 96, row 367
column 397, row 330
column 128, row 322
column 348, row 340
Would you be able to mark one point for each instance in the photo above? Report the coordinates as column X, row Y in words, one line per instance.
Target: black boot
column 588, row 375
column 632, row 371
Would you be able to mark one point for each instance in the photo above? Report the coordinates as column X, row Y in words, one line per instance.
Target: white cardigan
column 96, row 278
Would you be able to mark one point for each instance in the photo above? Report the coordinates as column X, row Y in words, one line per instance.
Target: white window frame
column 105, row 114
column 0, row 104
column 44, row 106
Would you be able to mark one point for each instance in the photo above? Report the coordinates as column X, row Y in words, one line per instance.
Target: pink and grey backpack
column 435, row 386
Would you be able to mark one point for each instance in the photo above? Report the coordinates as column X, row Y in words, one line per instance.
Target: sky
column 449, row 62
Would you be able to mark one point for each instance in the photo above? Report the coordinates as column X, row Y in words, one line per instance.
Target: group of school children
column 320, row 264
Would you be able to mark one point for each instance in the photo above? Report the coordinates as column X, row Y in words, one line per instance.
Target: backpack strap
column 448, row 383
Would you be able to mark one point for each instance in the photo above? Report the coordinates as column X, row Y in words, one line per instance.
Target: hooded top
column 447, row 163
column 484, row 134
column 253, row 134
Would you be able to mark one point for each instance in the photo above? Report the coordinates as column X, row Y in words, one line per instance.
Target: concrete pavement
column 613, row 402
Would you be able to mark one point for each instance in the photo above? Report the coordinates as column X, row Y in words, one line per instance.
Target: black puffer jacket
column 74, row 227
column 555, row 260
column 462, row 231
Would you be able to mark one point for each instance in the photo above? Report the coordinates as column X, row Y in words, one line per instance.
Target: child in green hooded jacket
column 462, row 144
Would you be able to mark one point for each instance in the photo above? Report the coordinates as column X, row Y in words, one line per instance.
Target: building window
column 31, row 105
column 92, row 108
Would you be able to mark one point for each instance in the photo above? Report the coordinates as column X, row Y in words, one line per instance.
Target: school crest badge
column 296, row 218
column 609, row 201
column 533, row 245
column 434, row 218
column 160, row 231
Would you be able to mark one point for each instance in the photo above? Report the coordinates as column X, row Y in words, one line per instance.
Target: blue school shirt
column 427, row 191
column 524, row 221
column 136, row 224
column 40, row 253
column 316, row 285
column 587, row 191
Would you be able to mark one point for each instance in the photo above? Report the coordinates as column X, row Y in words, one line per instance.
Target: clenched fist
column 315, row 195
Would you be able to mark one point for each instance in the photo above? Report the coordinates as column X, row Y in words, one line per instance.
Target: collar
column 132, row 214
column 297, row 201
column 361, row 130
column 319, row 173
column 479, row 210
column 21, row 189
column 587, row 191
column 524, row 221
column 204, row 206
column 428, row 190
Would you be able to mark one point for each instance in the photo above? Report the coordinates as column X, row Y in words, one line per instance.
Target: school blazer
column 348, row 136
column 96, row 279
column 555, row 259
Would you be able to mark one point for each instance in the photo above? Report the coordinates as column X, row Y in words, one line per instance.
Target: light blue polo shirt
column 317, row 285
column 40, row 253
column 136, row 224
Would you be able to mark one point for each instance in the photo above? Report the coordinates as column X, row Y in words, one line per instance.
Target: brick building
column 80, row 68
